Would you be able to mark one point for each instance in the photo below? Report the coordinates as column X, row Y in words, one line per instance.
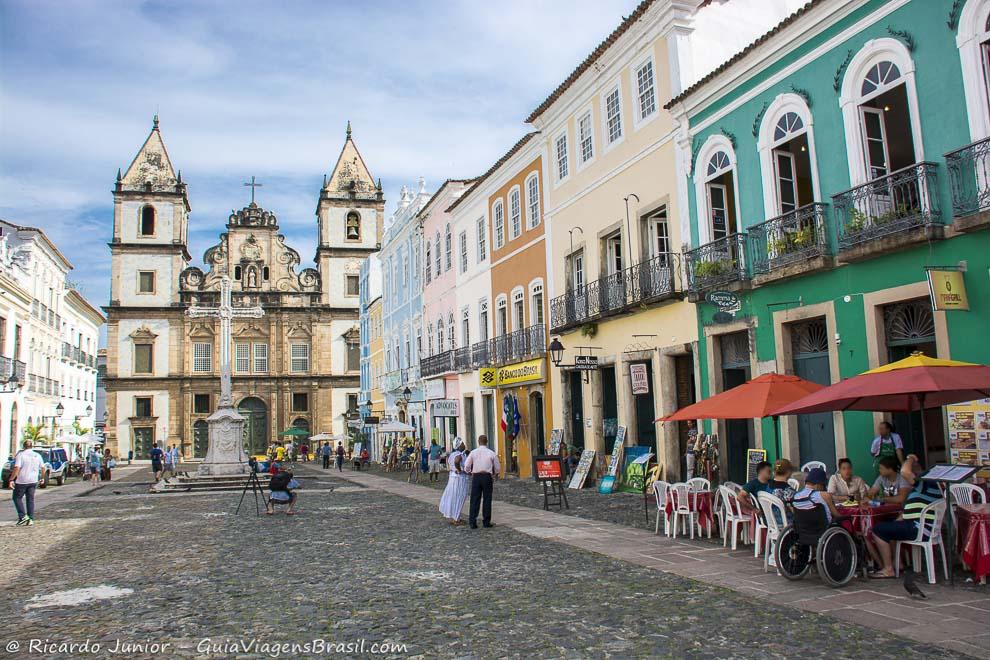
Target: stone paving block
column 963, row 612
column 904, row 612
column 941, row 629
column 878, row 621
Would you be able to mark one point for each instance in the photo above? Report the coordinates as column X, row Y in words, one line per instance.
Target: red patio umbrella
column 754, row 398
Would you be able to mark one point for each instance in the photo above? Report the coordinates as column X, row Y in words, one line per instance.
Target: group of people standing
column 164, row 460
column 471, row 473
column 98, row 465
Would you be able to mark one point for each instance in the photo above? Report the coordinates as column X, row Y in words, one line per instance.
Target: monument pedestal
column 225, row 455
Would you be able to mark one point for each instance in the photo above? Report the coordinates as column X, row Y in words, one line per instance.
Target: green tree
column 35, row 433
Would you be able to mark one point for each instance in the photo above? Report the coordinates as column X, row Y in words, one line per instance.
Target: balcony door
column 787, row 192
column 612, row 290
column 718, row 206
column 577, row 308
column 874, row 142
column 655, row 275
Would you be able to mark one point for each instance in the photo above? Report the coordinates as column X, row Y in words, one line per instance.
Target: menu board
column 581, row 471
column 556, row 437
column 613, row 463
column 969, row 434
column 753, row 458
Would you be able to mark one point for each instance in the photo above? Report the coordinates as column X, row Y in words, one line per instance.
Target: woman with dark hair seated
column 844, row 485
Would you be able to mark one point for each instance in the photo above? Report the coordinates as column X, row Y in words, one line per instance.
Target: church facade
column 298, row 365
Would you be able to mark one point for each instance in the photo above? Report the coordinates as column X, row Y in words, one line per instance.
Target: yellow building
column 376, row 349
column 613, row 245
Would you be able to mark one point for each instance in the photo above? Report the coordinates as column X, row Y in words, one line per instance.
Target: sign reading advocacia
column 948, row 289
column 513, row 374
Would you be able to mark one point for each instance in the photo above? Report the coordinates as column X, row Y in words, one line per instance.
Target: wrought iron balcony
column 481, row 353
column 438, row 364
column 462, row 359
column 12, row 372
column 520, row 344
column 648, row 281
column 897, row 203
column 969, row 178
column 717, row 263
column 790, row 238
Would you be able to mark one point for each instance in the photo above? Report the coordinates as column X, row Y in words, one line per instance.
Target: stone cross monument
column 225, row 454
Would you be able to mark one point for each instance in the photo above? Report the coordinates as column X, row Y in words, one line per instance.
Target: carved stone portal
column 225, row 455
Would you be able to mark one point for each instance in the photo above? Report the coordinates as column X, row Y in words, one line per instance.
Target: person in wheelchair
column 815, row 537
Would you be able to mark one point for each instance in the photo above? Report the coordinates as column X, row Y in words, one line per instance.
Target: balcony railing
column 969, row 178
column 897, row 203
column 436, row 365
column 520, row 344
column 12, row 371
column 462, row 359
column 717, row 263
column 481, row 353
column 793, row 237
column 647, row 281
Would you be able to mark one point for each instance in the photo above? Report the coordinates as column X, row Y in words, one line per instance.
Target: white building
column 50, row 332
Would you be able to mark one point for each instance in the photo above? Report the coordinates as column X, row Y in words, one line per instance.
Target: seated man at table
column 923, row 492
column 813, row 494
column 747, row 495
column 844, row 485
column 890, row 487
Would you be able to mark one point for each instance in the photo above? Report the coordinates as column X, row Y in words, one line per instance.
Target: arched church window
column 237, row 273
column 353, row 226
column 147, row 220
column 265, row 273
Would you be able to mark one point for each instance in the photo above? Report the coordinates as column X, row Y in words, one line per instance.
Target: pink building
column 438, row 353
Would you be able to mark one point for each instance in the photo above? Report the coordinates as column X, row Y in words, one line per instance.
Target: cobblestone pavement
column 361, row 564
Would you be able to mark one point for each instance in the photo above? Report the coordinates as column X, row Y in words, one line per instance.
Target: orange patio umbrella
column 759, row 397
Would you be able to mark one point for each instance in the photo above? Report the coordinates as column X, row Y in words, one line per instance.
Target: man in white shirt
column 25, row 477
column 482, row 464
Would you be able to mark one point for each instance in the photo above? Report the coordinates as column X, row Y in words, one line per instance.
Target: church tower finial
column 154, row 126
column 348, row 129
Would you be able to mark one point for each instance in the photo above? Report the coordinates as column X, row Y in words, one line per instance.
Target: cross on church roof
column 253, row 185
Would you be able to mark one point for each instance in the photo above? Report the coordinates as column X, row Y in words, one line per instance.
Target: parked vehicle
column 55, row 465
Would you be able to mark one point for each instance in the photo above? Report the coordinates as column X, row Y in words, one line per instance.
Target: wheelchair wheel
column 793, row 557
column 837, row 557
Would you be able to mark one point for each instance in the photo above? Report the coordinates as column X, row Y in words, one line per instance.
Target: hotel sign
column 948, row 290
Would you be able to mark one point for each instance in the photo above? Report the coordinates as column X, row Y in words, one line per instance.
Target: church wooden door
column 255, row 414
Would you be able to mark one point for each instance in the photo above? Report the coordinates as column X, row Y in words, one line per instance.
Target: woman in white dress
column 458, row 485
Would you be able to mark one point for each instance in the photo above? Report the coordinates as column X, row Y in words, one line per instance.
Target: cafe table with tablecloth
column 860, row 520
column 974, row 538
column 699, row 502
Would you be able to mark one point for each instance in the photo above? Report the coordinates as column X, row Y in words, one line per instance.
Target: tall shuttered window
column 300, row 357
column 202, row 357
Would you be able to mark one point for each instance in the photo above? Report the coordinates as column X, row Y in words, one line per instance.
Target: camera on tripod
column 253, row 463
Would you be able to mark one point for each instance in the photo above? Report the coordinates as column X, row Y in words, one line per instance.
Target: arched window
column 147, row 227
column 501, row 316
column 786, row 148
column 429, row 338
column 515, row 213
column 973, row 41
column 498, row 222
column 429, row 264
column 536, row 312
column 715, row 186
column 436, row 253
column 451, row 339
column 353, row 226
column 265, row 273
column 449, row 243
column 237, row 273
column 532, row 201
column 518, row 309
column 880, row 111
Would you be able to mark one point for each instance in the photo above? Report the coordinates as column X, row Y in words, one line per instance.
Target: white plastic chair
column 772, row 507
column 929, row 535
column 964, row 494
column 660, row 492
column 813, row 464
column 733, row 516
column 794, row 483
column 683, row 509
column 733, row 486
column 699, row 484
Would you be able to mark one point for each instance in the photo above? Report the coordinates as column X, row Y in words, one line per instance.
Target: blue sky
column 434, row 89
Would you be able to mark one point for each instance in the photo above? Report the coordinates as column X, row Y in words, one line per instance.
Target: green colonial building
column 828, row 166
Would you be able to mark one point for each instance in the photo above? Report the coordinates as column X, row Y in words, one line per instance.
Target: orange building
column 518, row 276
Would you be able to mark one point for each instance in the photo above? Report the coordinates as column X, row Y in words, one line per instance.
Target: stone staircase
column 187, row 482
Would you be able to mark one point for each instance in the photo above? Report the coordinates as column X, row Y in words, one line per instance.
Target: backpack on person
column 280, row 482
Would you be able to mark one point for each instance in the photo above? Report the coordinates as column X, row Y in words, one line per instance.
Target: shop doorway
column 645, row 411
column 684, row 374
column 488, row 414
column 577, row 409
column 809, row 352
column 537, row 438
column 909, row 327
column 469, row 427
column 739, row 432
column 610, row 406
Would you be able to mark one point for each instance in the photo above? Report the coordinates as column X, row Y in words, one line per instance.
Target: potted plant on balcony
column 716, row 268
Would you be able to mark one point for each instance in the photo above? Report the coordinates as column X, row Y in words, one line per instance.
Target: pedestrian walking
column 108, row 464
column 325, row 452
column 176, row 457
column 434, row 463
column 340, row 456
column 167, row 456
column 157, row 457
column 24, row 478
column 458, row 485
column 93, row 465
column 483, row 466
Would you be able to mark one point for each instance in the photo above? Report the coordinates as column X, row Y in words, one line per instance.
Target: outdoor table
column 974, row 538
column 860, row 521
column 699, row 501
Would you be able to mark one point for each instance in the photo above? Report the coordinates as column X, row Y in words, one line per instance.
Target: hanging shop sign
column 726, row 301
column 445, row 408
column 753, row 458
column 640, row 378
column 948, row 290
column 585, row 362
column 487, row 377
column 370, row 421
column 530, row 371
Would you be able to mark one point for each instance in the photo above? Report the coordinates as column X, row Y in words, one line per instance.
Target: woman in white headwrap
column 458, row 485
